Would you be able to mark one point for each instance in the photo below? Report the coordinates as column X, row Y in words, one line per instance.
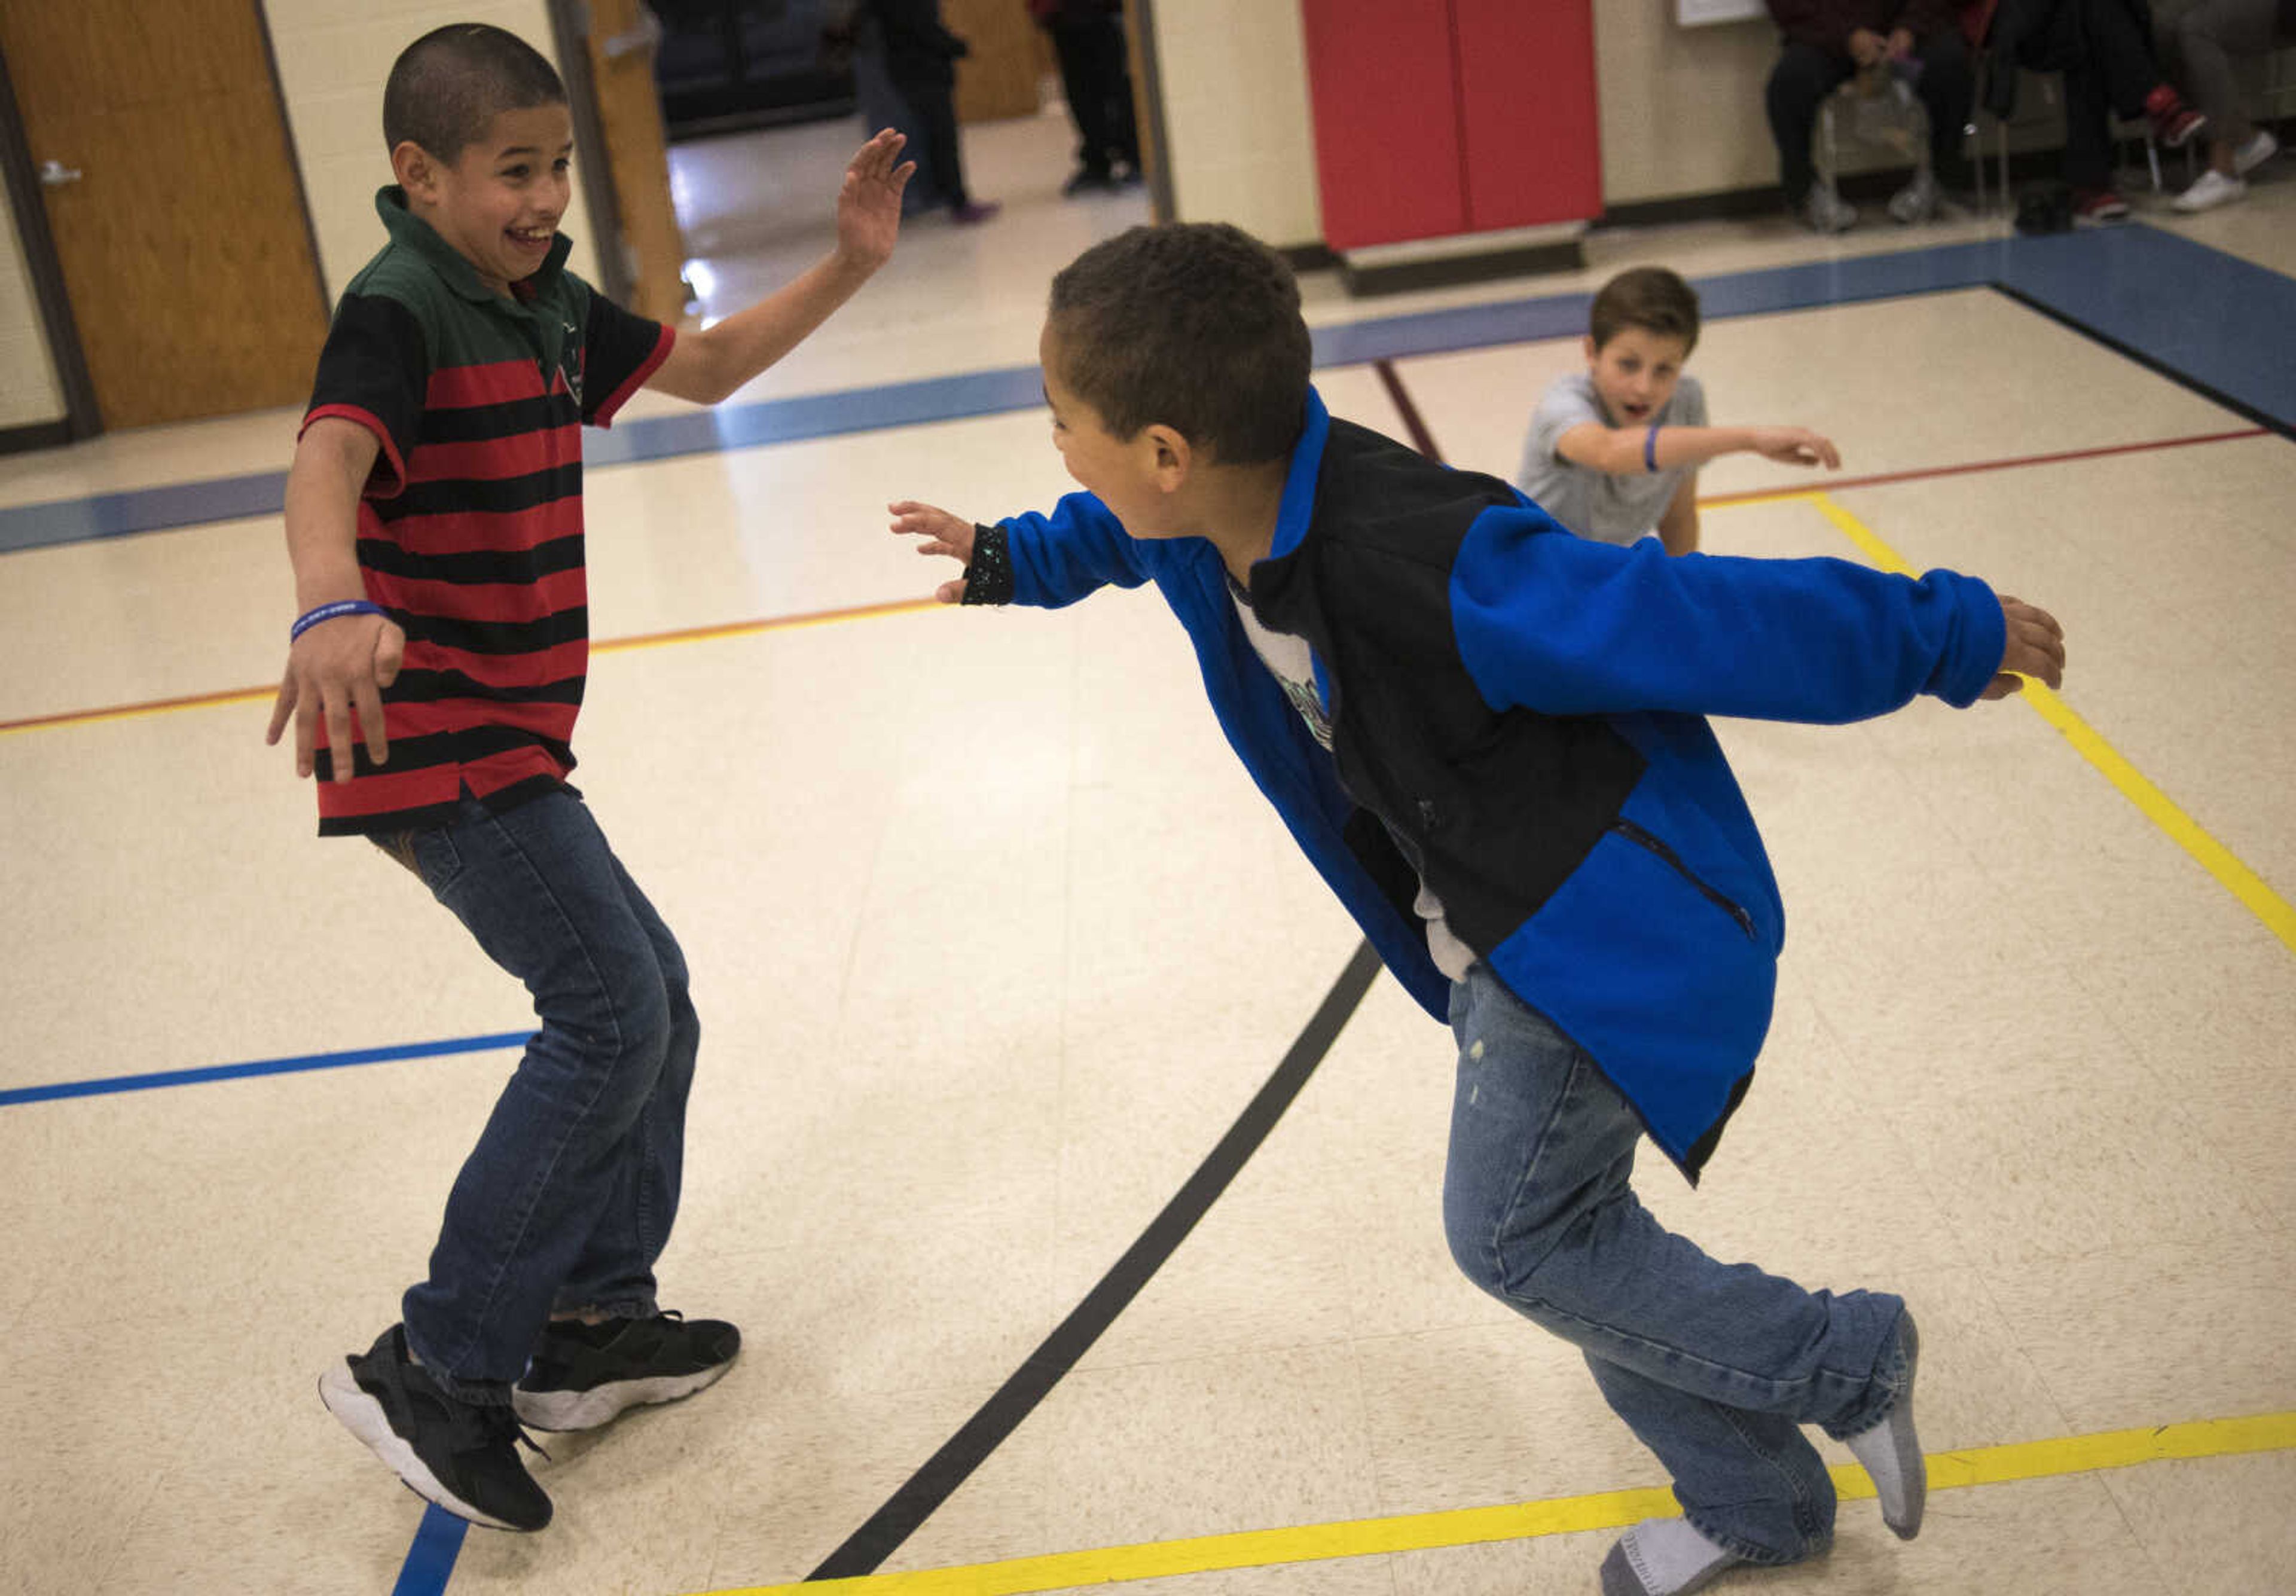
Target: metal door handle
column 55, row 174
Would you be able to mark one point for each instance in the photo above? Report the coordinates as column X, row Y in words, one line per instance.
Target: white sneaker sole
column 588, row 1410
column 364, row 1417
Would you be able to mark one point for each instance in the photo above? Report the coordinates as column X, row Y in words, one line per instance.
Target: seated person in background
column 2198, row 40
column 2104, row 50
column 1828, row 40
column 1614, row 451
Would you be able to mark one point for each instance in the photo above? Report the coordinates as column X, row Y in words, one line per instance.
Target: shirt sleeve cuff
column 389, row 477
column 604, row 415
column 988, row 579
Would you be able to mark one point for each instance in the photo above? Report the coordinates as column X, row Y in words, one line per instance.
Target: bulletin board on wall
column 1698, row 13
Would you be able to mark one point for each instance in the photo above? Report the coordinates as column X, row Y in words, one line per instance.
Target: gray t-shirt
column 1591, row 503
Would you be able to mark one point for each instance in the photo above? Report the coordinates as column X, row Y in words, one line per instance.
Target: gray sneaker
column 1827, row 211
column 1917, row 201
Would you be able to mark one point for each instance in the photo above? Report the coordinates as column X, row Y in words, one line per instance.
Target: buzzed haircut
column 448, row 88
column 1192, row 325
column 1649, row 297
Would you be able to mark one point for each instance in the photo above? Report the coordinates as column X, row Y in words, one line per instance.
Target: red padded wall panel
column 1528, row 106
column 1382, row 79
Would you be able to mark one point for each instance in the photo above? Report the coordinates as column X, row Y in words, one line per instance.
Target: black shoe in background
column 582, row 1375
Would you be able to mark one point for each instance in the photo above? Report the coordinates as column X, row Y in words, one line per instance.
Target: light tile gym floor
column 992, row 940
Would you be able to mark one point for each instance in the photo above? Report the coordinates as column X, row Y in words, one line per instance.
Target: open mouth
column 531, row 238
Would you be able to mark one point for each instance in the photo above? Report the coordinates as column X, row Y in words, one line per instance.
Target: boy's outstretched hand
column 943, row 534
column 2036, row 648
column 869, row 203
column 1796, row 446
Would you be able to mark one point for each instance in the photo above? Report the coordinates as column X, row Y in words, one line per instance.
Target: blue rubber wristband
column 1650, row 451
column 330, row 612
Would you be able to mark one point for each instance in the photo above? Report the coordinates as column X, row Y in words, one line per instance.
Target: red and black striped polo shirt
column 471, row 527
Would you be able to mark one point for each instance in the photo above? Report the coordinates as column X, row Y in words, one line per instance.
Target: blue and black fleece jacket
column 1518, row 718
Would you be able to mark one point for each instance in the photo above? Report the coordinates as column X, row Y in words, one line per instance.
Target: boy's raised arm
column 341, row 665
column 708, row 366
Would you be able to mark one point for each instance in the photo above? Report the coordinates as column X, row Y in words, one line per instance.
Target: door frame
column 82, row 418
column 569, row 32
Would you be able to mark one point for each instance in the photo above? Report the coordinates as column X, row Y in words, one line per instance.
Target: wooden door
column 620, row 45
column 1003, row 75
column 178, row 217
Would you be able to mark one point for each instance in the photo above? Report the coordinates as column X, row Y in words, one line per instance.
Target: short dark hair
column 447, row 87
column 1649, row 297
column 1192, row 325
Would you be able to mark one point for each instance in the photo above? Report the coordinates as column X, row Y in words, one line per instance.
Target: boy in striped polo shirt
column 434, row 520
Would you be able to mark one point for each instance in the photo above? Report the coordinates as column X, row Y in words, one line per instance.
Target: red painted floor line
column 1820, row 484
column 902, row 606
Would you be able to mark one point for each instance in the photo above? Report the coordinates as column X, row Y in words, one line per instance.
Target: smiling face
column 499, row 203
column 1636, row 373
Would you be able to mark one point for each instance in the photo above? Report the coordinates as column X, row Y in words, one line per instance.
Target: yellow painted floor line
column 2156, row 806
column 1466, row 1527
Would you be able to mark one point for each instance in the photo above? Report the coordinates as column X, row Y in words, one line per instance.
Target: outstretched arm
column 708, row 366
column 1044, row 561
column 1568, row 627
column 1633, row 451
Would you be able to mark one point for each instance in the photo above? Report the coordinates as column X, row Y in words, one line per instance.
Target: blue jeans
column 568, row 1198
column 1715, row 1366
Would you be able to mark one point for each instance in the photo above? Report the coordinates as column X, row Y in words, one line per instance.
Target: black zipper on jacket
column 1643, row 839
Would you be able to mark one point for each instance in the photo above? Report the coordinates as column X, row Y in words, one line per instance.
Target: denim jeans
column 569, row 1197
column 1715, row 1366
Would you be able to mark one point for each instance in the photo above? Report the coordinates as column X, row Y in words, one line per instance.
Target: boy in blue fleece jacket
column 1487, row 735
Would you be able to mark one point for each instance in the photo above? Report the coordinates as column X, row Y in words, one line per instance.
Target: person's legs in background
column 1947, row 85
column 1798, row 84
column 2198, row 42
column 931, row 98
column 1073, row 50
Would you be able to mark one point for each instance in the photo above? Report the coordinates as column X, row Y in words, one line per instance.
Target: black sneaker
column 462, row 1455
column 582, row 1375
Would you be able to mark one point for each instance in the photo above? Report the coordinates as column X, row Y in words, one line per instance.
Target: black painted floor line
column 908, row 1507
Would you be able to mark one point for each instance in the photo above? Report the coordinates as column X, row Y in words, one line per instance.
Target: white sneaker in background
column 1827, row 211
column 1917, row 201
column 2255, row 152
column 2207, row 191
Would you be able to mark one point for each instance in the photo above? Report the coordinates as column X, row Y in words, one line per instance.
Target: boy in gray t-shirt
column 1614, row 451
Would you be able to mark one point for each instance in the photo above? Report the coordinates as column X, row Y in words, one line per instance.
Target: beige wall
column 30, row 393
column 1681, row 108
column 1240, row 140
column 332, row 56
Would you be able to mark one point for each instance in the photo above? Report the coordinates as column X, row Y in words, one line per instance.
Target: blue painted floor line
column 430, row 1559
column 106, row 1085
column 2189, row 310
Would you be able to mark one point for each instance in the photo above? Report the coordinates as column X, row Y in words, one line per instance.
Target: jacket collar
column 1299, row 504
column 411, row 231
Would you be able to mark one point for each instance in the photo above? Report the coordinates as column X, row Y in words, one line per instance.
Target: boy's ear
column 416, row 171
column 1173, row 459
column 1587, row 343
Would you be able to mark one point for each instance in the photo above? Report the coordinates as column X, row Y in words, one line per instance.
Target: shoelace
column 476, row 1428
